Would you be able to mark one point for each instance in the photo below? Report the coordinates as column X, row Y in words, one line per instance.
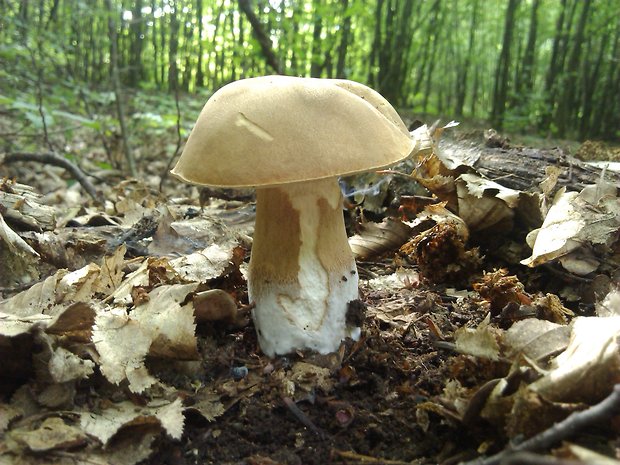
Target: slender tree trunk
column 344, row 40
column 118, row 94
column 155, row 43
column 317, row 28
column 136, row 28
column 500, row 90
column 526, row 82
column 567, row 101
column 263, row 39
column 200, row 76
column 461, row 80
column 173, row 48
column 606, row 120
column 376, row 46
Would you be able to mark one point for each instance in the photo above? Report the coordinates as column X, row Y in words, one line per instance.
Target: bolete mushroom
column 291, row 138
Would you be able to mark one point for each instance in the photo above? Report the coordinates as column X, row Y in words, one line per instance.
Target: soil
column 368, row 416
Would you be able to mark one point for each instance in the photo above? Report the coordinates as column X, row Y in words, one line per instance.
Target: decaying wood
column 523, row 168
column 20, row 206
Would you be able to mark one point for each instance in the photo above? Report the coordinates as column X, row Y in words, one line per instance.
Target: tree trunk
column 118, row 95
column 200, row 77
column 500, row 89
column 136, row 29
column 344, row 40
column 526, row 80
column 461, row 80
column 263, row 39
column 376, row 46
column 568, row 102
column 317, row 29
column 173, row 48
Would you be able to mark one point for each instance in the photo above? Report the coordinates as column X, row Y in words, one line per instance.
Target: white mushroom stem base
column 302, row 274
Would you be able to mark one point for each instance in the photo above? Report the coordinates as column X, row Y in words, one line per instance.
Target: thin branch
column 51, row 158
column 575, row 422
column 164, row 175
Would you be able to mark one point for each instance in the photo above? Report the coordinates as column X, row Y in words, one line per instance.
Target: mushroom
column 291, row 138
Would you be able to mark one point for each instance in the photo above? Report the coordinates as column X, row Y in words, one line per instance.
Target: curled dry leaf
column 163, row 326
column 215, row 305
column 376, row 239
column 589, row 367
column 484, row 204
column 575, row 220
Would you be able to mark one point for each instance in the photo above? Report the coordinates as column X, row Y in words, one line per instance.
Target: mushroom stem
column 302, row 274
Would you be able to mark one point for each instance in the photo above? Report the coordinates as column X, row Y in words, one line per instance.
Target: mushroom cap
column 275, row 130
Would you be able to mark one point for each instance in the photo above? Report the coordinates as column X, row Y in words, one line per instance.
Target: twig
column 367, row 459
column 51, row 158
column 164, row 175
column 572, row 424
column 301, row 416
column 528, row 458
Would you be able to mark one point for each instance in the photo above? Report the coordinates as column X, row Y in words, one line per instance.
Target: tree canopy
column 543, row 65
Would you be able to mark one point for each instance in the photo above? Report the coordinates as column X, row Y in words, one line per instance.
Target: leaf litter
column 141, row 349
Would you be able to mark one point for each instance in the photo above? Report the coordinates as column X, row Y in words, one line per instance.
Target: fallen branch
column 51, row 158
column 575, row 422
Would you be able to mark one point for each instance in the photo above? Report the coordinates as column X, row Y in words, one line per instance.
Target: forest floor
column 459, row 356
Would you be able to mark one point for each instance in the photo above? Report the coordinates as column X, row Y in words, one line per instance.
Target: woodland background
column 550, row 67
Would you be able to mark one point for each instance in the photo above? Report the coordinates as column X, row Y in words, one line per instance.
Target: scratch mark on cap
column 244, row 122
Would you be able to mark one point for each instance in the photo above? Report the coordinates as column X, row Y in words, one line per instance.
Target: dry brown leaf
column 378, row 238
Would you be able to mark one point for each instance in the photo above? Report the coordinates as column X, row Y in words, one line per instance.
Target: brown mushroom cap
column 275, row 130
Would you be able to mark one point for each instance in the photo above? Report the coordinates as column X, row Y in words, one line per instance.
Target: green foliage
column 436, row 56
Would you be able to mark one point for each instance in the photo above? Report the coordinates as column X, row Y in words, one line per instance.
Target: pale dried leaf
column 111, row 272
column 122, row 344
column 8, row 413
column 207, row 264
column 142, row 278
column 65, row 366
column 556, row 236
column 536, row 339
column 208, row 404
column 129, row 450
column 19, row 260
column 479, row 342
column 169, row 324
column 52, row 434
column 307, row 377
column 585, row 455
column 106, row 424
column 589, row 367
